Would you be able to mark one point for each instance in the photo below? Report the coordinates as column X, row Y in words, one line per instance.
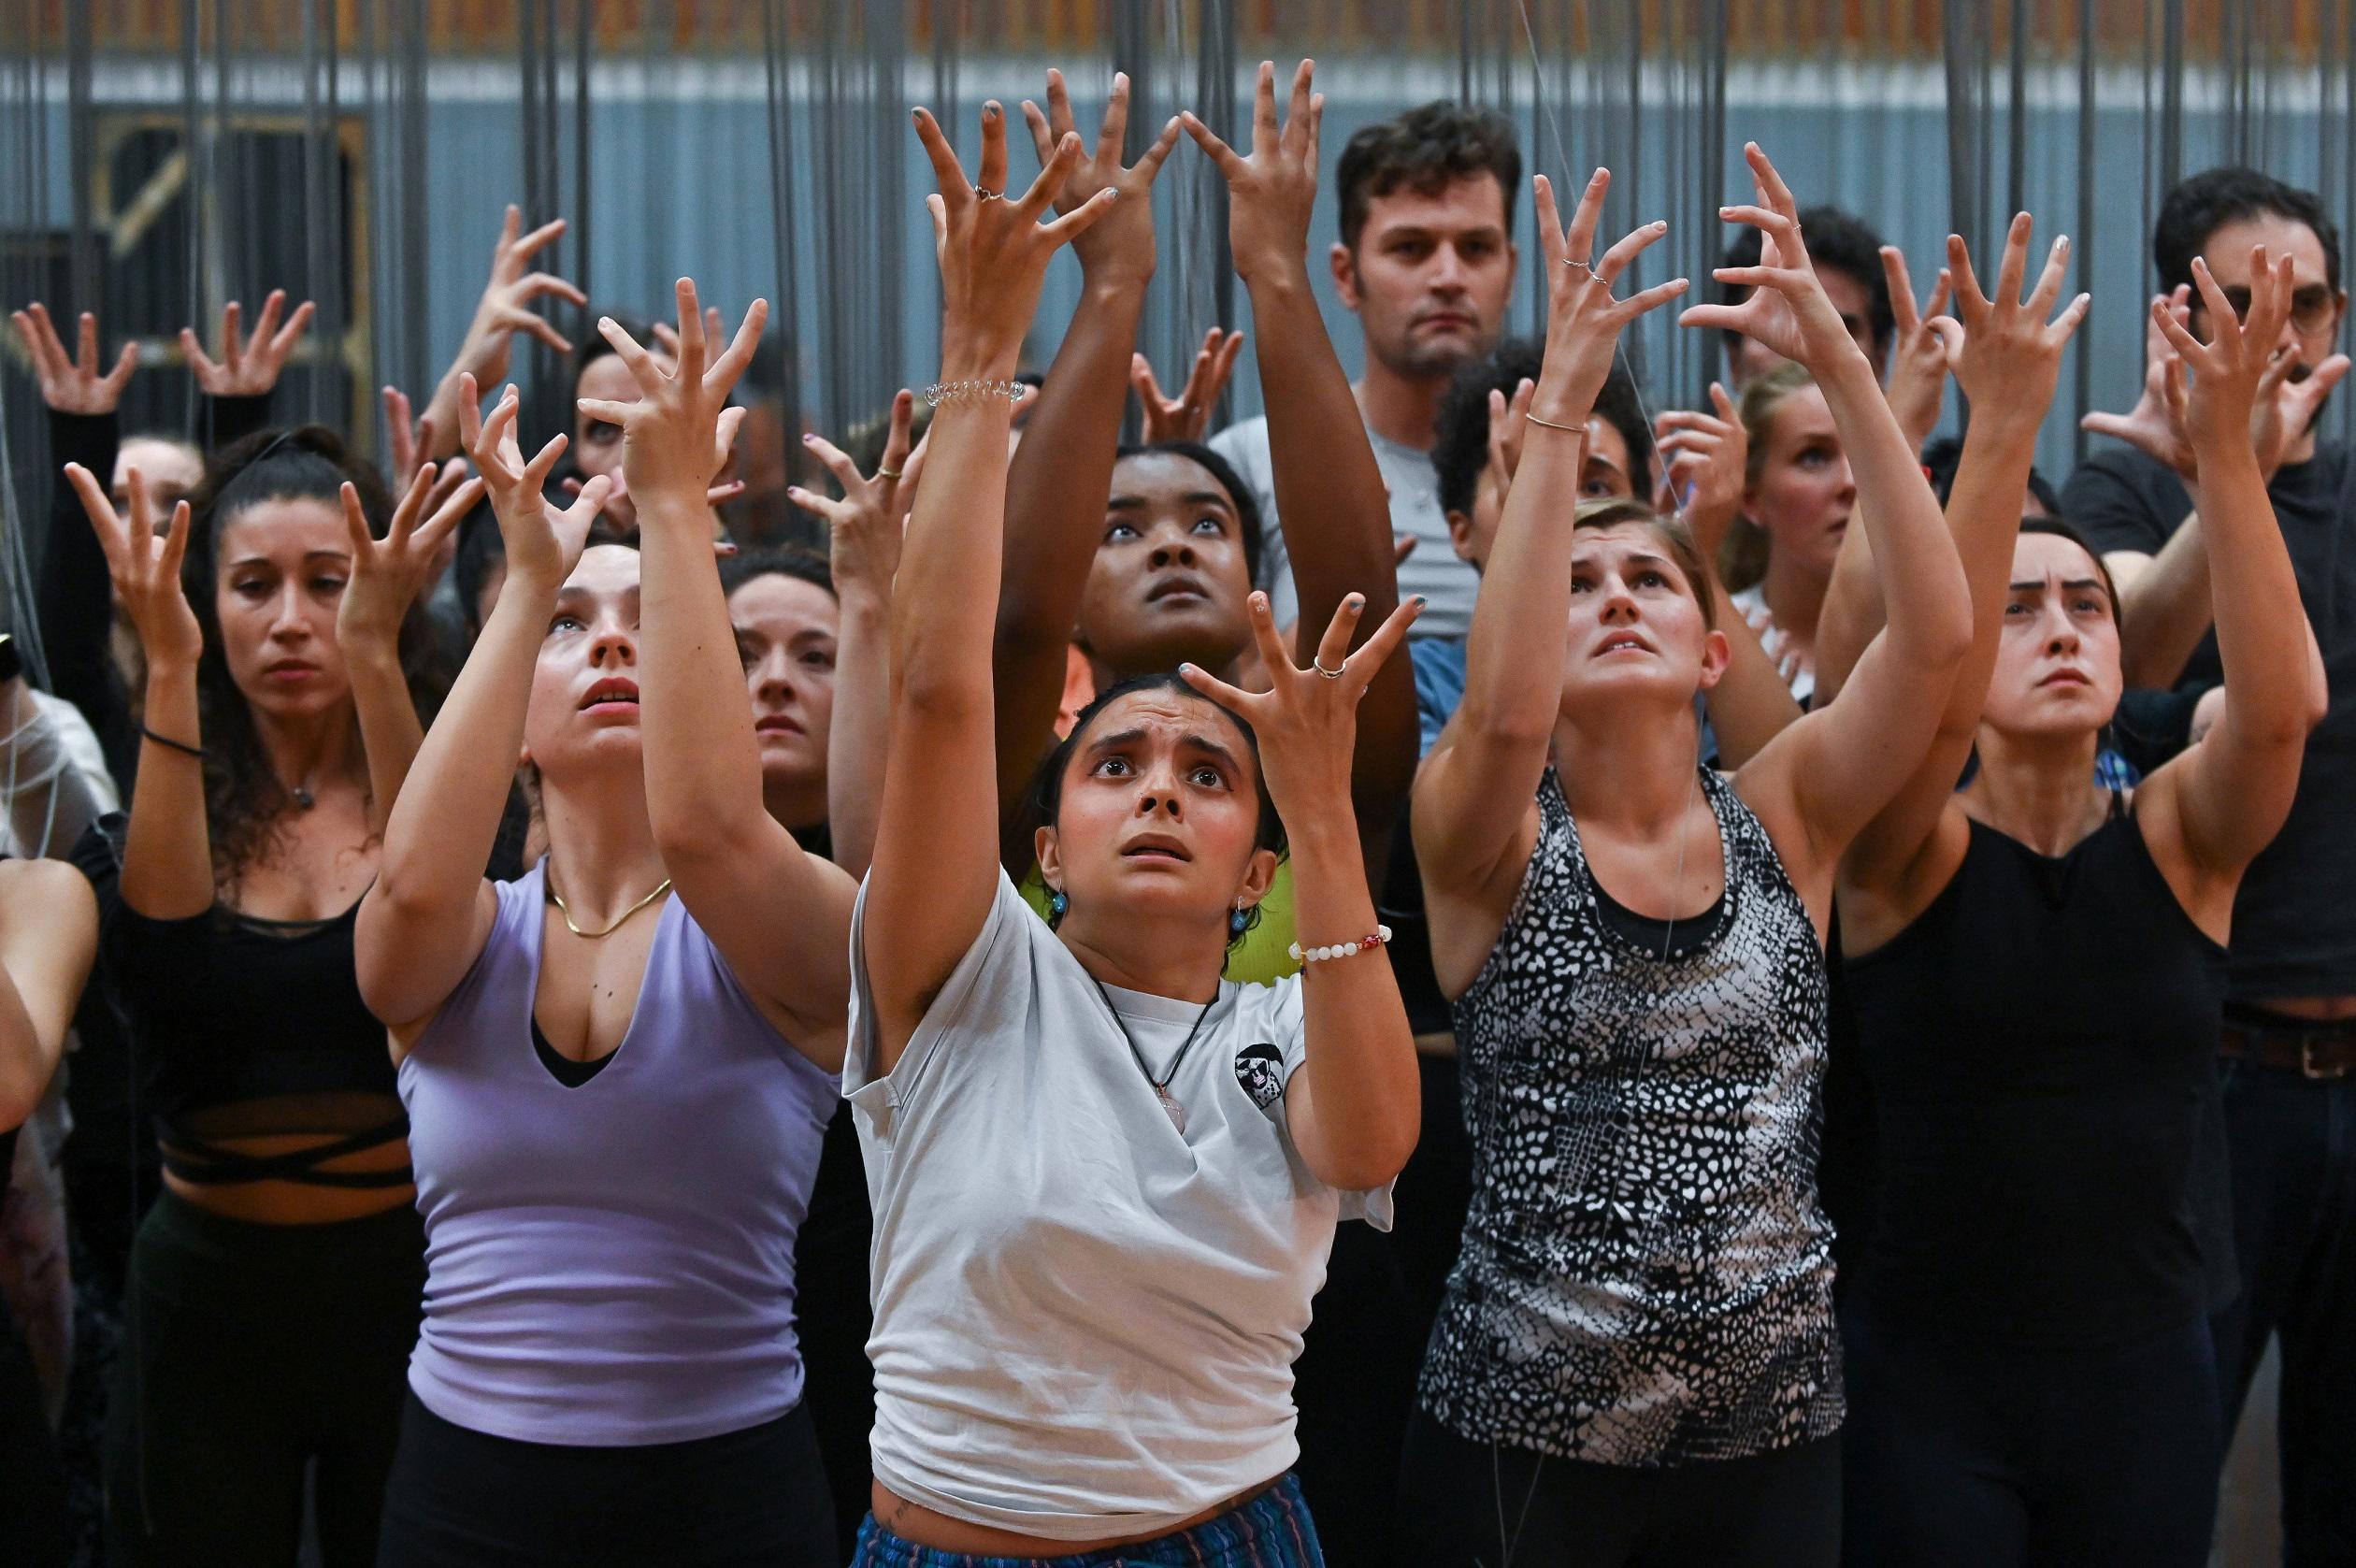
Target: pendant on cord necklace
column 1177, row 1112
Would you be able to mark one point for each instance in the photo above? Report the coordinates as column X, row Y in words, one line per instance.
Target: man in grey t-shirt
column 1426, row 262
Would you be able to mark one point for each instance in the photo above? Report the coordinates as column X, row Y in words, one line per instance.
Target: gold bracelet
column 1574, row 429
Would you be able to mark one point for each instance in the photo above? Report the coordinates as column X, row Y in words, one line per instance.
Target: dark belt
column 2320, row 1051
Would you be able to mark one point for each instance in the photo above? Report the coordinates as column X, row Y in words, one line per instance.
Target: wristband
column 1339, row 950
column 979, row 391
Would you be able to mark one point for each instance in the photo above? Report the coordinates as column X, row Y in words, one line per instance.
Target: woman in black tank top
column 276, row 1283
column 1636, row 1361
column 2036, row 966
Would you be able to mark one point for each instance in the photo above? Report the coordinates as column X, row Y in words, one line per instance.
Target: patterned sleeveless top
column 1646, row 1277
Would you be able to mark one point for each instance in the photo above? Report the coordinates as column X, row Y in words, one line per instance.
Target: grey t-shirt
column 1085, row 1319
column 1434, row 570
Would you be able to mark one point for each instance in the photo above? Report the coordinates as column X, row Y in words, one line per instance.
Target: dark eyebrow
column 307, row 555
column 1115, row 740
column 1204, row 744
column 2069, row 586
column 1191, row 498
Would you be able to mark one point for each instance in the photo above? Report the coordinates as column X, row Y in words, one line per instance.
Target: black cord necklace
column 1161, row 1085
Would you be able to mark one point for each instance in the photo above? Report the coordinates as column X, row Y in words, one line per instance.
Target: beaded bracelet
column 1340, row 950
column 942, row 391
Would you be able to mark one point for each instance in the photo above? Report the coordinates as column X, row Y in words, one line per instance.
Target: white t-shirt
column 1434, row 570
column 1084, row 1320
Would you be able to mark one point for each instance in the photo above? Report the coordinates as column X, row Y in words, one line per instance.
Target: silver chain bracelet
column 942, row 391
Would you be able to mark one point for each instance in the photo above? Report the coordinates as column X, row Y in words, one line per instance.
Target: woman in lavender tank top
column 617, row 1095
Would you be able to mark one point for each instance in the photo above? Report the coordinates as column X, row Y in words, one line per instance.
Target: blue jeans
column 1271, row 1531
column 2292, row 1142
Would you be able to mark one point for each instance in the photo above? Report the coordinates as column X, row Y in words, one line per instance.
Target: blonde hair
column 1743, row 558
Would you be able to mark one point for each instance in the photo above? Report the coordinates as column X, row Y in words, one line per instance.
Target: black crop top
column 247, row 1026
column 2037, row 1048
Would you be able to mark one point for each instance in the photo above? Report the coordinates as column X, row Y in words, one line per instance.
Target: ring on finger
column 1586, row 266
column 985, row 193
column 1318, row 665
column 887, row 473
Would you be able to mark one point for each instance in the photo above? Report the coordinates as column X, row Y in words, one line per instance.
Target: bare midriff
column 2324, row 1010
column 278, row 1200
column 914, row 1522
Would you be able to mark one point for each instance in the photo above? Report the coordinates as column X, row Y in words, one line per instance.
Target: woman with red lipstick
column 275, row 1285
column 1106, row 1180
column 2037, row 969
column 617, row 1095
column 1637, row 1352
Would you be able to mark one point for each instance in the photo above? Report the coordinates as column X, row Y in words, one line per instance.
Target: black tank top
column 2037, row 1046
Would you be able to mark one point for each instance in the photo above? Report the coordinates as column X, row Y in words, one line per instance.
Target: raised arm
column 1057, row 483
column 2230, row 792
column 864, row 535
column 1330, row 500
column 74, row 605
column 1355, row 1106
column 503, row 310
column 2007, row 359
column 936, row 865
column 387, row 575
column 1826, row 775
column 1472, row 798
column 2164, row 606
column 167, row 871
column 426, row 917
column 48, row 938
column 780, row 915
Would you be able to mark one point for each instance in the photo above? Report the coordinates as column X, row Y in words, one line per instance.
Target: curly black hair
column 1837, row 240
column 244, row 796
column 1461, row 425
column 2198, row 206
column 1425, row 149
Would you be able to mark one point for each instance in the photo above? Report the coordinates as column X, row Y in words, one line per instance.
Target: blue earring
column 1057, row 904
column 1238, row 922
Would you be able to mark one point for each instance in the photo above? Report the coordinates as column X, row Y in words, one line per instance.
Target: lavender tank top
column 610, row 1265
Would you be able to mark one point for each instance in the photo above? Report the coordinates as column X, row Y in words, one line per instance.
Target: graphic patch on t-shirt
column 1261, row 1068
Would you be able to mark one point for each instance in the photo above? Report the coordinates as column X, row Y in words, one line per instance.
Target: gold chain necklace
column 558, row 899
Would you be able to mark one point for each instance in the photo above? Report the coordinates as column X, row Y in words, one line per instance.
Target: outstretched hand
column 1271, row 192
column 74, row 385
column 1119, row 248
column 2008, row 356
column 1704, row 459
column 1919, row 362
column 1584, row 321
column 2242, row 359
column 145, row 566
column 992, row 249
column 675, row 439
column 1186, row 416
column 2148, row 426
column 541, row 547
column 388, row 574
column 505, row 306
column 1785, row 310
column 1306, row 722
column 250, row 367
column 866, row 526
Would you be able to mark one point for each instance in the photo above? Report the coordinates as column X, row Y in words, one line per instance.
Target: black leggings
column 251, row 1353
column 1466, row 1504
column 750, row 1499
column 1969, row 1451
column 32, row 1481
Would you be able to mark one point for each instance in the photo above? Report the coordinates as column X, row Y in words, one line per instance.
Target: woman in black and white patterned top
column 1636, row 1361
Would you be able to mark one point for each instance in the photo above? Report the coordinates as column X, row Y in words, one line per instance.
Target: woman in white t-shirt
column 1105, row 1181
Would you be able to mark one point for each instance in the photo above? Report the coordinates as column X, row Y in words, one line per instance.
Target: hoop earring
column 1056, row 907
